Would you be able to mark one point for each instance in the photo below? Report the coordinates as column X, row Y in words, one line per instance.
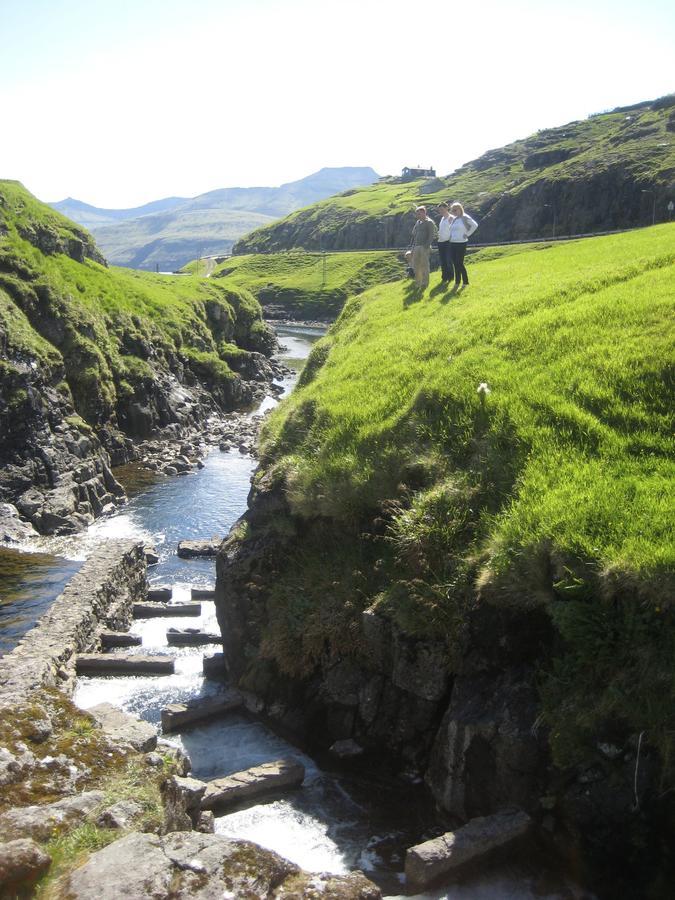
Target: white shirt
column 444, row 229
column 461, row 229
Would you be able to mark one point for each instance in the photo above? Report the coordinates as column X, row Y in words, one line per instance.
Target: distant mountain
column 168, row 233
column 93, row 217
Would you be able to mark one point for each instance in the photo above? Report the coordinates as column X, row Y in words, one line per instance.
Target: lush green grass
column 307, row 285
column 553, row 489
column 109, row 328
column 638, row 143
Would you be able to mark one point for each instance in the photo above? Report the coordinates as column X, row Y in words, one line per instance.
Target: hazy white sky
column 118, row 102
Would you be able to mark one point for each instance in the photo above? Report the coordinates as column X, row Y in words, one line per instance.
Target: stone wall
column 99, row 596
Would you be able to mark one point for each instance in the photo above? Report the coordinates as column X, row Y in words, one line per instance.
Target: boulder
column 213, row 666
column 123, row 728
column 346, row 749
column 13, row 529
column 196, row 866
column 38, row 822
column 119, row 815
column 182, row 798
column 21, row 863
column 282, row 774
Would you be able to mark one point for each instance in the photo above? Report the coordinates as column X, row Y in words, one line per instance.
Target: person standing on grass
column 461, row 229
column 444, row 242
column 423, row 233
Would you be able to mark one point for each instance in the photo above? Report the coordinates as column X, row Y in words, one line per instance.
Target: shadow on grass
column 412, row 294
column 449, row 294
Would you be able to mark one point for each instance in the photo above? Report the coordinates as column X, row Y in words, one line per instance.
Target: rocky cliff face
column 82, row 379
column 470, row 725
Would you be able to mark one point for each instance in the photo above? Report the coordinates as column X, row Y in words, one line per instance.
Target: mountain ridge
column 168, row 233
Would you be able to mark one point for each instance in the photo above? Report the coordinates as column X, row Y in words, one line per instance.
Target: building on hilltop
column 417, row 173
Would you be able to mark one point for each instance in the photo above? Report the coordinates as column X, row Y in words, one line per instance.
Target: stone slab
column 178, row 715
column 193, row 549
column 152, row 610
column 123, row 728
column 160, row 594
column 39, row 822
column 203, row 593
column 112, row 639
column 123, row 664
column 191, row 637
column 268, row 778
column 426, row 863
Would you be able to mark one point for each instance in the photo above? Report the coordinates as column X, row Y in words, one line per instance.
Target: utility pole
column 552, row 206
column 653, row 193
column 670, row 208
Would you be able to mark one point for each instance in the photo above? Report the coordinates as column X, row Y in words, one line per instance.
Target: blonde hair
column 457, row 205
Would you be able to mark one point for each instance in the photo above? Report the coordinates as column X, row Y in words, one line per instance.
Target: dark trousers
column 446, row 262
column 457, row 254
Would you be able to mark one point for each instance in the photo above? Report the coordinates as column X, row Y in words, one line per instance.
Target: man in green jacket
column 423, row 234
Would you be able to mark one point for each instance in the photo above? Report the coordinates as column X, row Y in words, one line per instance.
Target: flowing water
column 335, row 822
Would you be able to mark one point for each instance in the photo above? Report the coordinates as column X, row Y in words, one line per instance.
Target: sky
column 123, row 102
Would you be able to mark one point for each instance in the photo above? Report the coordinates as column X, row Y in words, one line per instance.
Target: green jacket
column 424, row 233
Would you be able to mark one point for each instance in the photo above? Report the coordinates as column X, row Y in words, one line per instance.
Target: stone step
column 191, row 637
column 151, row 610
column 203, row 593
column 178, row 715
column 268, row 778
column 123, row 664
column 160, row 594
column 111, row 639
column 438, row 858
column 192, row 549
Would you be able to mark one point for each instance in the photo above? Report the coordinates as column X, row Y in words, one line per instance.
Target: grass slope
column 554, row 489
column 111, row 329
column 624, row 151
column 306, row 285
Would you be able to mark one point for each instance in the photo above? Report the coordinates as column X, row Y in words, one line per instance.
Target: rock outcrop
column 193, row 865
column 83, row 380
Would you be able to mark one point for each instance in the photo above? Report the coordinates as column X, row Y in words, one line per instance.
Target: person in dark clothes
column 444, row 242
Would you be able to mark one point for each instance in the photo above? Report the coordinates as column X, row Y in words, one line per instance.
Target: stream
column 336, row 822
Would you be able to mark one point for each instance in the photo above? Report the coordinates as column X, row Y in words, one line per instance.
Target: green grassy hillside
column 305, row 285
column 110, row 331
column 588, row 175
column 513, row 445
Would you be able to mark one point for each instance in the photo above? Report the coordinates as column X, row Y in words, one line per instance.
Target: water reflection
column 30, row 582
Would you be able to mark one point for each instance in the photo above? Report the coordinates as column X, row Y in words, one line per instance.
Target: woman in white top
column 461, row 229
